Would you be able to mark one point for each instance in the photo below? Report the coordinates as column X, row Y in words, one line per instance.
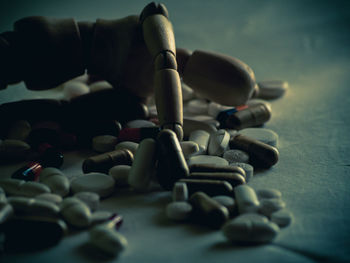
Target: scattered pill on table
column 92, row 200
column 282, row 217
column 265, row 193
column 261, row 134
column 178, row 210
column 246, row 199
column 236, row 156
column 98, row 183
column 180, row 192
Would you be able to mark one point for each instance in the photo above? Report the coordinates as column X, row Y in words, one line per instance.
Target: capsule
column 225, row 114
column 29, row 172
column 260, row 154
column 172, row 165
column 233, row 178
column 209, row 186
column 103, row 162
column 215, row 168
column 250, row 117
column 208, row 211
column 138, row 134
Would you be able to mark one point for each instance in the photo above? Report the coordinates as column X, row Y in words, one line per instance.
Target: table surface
column 306, row 43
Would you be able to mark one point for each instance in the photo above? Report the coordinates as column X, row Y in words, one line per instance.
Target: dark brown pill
column 207, row 211
column 172, row 165
column 233, row 178
column 103, row 162
column 210, row 187
column 212, row 168
column 260, row 154
column 250, row 117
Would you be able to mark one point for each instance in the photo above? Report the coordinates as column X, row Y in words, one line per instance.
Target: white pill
column 250, row 231
column 53, row 198
column 19, row 130
column 271, row 205
column 139, row 124
column 249, row 170
column 11, row 186
column 206, row 159
column 120, row 174
column 31, row 189
column 252, row 216
column 100, row 216
column 107, row 240
column 178, row 211
column 75, row 212
column 180, row 192
column 218, row 142
column 214, row 109
column 104, row 143
column 92, row 200
column 100, row 85
column 132, row 146
column 33, row 206
column 236, row 156
column 227, row 202
column 72, row 89
column 272, row 89
column 197, row 107
column 143, row 166
column 266, row 193
column 6, row 212
column 98, row 183
column 189, row 148
column 246, row 199
column 187, row 92
column 192, row 125
column 201, row 138
column 282, row 217
column 261, row 134
column 13, row 149
column 55, row 180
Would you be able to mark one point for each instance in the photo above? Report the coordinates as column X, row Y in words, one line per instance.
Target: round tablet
column 98, row 183
column 261, row 134
column 236, row 156
column 207, row 159
column 249, row 170
column 282, row 217
column 272, row 89
column 104, row 143
column 178, row 210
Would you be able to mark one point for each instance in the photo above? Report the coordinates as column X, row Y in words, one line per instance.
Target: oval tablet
column 131, row 146
column 247, row 201
column 75, row 212
column 31, row 206
column 261, row 134
column 218, row 142
column 253, row 217
column 92, row 200
column 98, row 183
column 120, row 174
column 271, row 205
column 13, row 150
column 206, row 159
column 53, row 198
column 272, row 89
column 178, row 210
column 139, row 124
column 282, row 217
column 104, row 143
column 227, row 202
column 100, row 216
column 249, row 170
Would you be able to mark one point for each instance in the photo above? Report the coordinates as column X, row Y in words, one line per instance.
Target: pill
column 75, row 212
column 98, row 183
column 138, row 134
column 218, row 143
column 260, row 154
column 208, row 186
column 131, row 146
column 232, row 132
column 253, row 102
column 272, row 89
column 139, row 124
column 282, row 217
column 33, row 206
column 236, row 156
column 247, row 201
column 233, row 178
column 19, row 130
column 207, row 159
column 55, row 180
column 13, row 150
column 215, row 108
column 103, row 162
column 11, row 186
column 271, row 205
column 250, row 117
column 28, row 172
column 180, row 192
column 216, row 168
column 53, row 198
column 100, row 85
column 120, row 174
column 178, row 210
column 187, row 92
column 31, row 189
column 190, row 125
column 6, row 212
column 227, row 202
column 261, row 134
column 200, row 137
column 104, row 143
column 143, row 167
column 189, row 148
column 197, row 106
column 100, row 216
column 92, row 200
column 208, row 211
column 266, row 193
column 27, row 233
column 172, row 165
column 248, row 169
column 251, row 216
column 72, row 89
column 224, row 115
column 250, row 231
